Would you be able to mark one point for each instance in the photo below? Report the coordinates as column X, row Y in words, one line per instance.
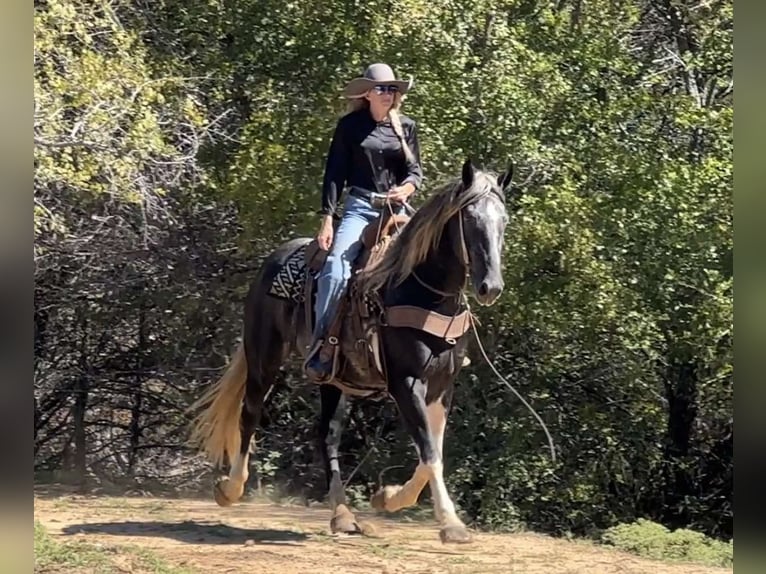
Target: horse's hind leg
column 333, row 410
column 265, row 351
column 230, row 489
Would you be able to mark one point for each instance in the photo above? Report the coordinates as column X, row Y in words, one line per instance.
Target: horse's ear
column 468, row 173
column 504, row 179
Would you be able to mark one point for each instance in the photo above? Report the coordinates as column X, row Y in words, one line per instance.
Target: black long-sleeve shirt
column 368, row 155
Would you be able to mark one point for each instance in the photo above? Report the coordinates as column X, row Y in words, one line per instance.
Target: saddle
column 347, row 341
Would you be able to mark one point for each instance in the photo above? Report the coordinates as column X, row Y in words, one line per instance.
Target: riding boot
column 318, row 367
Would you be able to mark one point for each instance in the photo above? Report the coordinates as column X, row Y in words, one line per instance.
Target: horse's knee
column 433, row 468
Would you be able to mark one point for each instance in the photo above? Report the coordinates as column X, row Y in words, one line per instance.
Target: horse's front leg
column 395, row 497
column 426, row 424
column 333, row 410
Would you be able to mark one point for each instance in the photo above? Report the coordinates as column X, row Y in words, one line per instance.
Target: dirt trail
column 264, row 538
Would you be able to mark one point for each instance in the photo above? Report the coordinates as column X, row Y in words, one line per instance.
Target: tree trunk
column 138, row 391
column 681, row 393
column 78, row 414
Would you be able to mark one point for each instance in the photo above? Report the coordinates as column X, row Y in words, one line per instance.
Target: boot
column 318, row 367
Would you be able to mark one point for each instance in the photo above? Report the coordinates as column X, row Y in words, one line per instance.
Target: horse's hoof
column 455, row 535
column 369, row 529
column 380, row 499
column 344, row 522
column 219, row 493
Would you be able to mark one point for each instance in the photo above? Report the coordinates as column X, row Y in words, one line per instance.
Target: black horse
column 455, row 238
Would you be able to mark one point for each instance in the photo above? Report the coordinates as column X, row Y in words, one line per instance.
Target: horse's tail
column 216, row 429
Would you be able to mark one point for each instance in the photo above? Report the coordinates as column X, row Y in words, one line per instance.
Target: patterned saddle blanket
column 289, row 282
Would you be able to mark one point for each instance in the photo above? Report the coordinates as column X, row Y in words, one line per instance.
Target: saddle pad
column 290, row 280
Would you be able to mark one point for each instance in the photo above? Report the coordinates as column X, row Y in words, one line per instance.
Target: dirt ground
column 265, row 538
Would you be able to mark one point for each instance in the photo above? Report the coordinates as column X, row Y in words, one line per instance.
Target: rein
column 472, row 321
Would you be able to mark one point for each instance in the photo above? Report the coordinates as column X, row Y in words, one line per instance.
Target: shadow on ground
column 190, row 532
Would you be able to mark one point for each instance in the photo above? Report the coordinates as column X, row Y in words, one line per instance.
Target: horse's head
column 479, row 228
column 467, row 216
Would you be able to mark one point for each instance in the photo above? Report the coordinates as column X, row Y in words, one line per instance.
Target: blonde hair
column 360, row 102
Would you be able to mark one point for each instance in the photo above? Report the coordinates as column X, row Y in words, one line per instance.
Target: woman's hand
column 400, row 193
column 326, row 233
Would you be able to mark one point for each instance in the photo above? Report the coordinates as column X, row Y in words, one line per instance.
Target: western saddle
column 352, row 340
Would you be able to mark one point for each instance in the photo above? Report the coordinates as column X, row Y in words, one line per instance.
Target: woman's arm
column 336, row 170
column 414, row 176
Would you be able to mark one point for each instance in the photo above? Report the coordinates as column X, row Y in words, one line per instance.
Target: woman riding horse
column 373, row 147
column 452, row 244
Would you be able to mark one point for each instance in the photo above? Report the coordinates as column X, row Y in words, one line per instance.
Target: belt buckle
column 378, row 200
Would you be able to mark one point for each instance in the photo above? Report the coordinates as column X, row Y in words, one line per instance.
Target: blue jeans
column 346, row 246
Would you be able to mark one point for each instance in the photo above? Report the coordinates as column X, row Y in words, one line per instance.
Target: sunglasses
column 386, row 89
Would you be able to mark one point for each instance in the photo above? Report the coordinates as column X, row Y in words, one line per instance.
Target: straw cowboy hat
column 374, row 75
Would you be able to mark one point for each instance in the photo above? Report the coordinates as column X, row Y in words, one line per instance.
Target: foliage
column 653, row 540
column 178, row 142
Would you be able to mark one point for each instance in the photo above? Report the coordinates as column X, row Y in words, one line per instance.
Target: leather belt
column 376, row 200
column 360, row 192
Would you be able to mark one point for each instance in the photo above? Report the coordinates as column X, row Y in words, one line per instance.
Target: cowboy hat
column 374, row 75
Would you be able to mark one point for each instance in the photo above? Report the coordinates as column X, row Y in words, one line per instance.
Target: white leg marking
column 337, row 494
column 408, row 494
column 443, row 505
column 238, row 475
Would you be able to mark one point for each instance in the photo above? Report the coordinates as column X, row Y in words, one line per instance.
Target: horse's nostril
column 483, row 288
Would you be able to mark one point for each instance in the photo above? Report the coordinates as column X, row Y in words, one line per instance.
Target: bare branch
column 64, row 144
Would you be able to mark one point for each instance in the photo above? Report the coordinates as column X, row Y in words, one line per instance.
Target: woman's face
column 382, row 97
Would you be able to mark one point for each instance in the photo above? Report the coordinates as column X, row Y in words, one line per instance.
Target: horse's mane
column 423, row 232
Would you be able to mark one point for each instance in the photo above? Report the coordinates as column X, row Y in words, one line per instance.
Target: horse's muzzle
column 488, row 291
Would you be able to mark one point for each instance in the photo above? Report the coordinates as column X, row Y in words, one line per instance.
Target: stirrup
column 315, row 348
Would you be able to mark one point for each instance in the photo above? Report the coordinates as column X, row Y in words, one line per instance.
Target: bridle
column 464, row 255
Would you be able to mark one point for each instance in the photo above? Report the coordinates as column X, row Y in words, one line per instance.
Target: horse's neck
column 441, row 268
column 441, row 272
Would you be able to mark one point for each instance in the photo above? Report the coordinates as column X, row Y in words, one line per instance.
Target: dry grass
column 79, row 556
